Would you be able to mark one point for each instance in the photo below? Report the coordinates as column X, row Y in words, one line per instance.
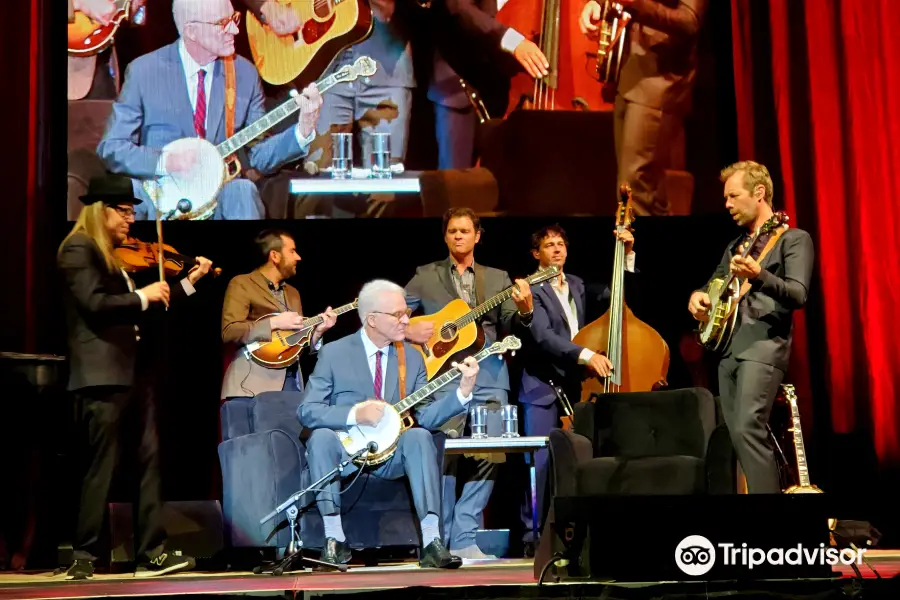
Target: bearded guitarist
column 777, row 283
column 433, row 287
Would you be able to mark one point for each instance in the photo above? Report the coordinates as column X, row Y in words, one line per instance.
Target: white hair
column 370, row 296
column 184, row 11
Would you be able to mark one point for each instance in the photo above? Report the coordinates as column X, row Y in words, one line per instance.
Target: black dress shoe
column 335, row 552
column 80, row 569
column 436, row 556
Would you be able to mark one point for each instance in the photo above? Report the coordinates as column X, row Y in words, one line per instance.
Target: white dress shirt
column 371, row 351
column 192, row 77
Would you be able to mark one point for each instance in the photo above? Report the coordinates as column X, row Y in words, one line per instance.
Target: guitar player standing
column 754, row 362
column 248, row 299
column 433, row 287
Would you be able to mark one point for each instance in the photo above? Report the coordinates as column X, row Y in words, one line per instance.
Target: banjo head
column 200, row 186
column 386, row 435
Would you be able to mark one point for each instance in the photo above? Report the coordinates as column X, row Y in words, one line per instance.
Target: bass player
column 432, row 287
column 251, row 297
column 753, row 364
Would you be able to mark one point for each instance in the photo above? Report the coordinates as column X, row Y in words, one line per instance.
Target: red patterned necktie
column 200, row 110
column 378, row 393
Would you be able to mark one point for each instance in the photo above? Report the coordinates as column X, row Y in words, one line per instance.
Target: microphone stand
column 295, row 548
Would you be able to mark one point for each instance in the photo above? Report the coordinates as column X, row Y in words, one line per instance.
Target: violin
column 137, row 256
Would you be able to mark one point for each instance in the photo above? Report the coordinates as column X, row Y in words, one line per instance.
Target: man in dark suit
column 353, row 380
column 433, row 287
column 103, row 310
column 753, row 365
column 553, row 363
column 654, row 92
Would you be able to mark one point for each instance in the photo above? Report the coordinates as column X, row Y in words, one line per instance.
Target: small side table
column 527, row 444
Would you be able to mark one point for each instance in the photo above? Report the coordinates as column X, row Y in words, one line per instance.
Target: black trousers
column 118, row 426
column 747, row 390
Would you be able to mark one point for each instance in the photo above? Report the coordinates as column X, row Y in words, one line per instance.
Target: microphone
column 185, row 206
column 372, row 447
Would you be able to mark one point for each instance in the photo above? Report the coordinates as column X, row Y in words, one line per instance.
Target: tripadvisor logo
column 696, row 555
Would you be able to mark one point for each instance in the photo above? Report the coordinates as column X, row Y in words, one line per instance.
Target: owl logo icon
column 695, row 555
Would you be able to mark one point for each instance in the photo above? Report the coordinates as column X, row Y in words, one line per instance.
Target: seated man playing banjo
column 354, row 380
column 179, row 92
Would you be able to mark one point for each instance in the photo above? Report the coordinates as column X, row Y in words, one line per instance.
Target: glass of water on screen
column 341, row 155
column 478, row 421
column 381, row 155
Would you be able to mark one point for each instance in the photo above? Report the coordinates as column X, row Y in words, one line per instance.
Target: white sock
column 429, row 529
column 333, row 527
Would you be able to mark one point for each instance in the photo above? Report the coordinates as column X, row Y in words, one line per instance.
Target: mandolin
column 328, row 26
column 87, row 37
column 285, row 347
column 456, row 328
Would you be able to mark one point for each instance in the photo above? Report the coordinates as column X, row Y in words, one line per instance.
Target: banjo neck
column 270, row 120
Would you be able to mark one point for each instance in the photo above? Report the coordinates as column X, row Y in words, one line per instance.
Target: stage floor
column 497, row 573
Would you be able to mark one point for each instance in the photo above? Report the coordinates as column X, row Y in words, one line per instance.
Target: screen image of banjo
column 307, row 112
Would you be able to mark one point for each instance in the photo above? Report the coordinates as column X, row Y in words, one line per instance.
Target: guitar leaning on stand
column 286, row 345
column 192, row 196
column 456, row 327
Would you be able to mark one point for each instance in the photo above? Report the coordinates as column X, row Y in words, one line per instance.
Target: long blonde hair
column 92, row 223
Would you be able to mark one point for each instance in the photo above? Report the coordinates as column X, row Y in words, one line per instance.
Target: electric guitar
column 725, row 295
column 87, row 37
column 327, row 28
column 397, row 418
column 286, row 345
column 455, row 327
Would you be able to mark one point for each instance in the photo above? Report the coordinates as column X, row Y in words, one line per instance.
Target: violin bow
column 152, row 189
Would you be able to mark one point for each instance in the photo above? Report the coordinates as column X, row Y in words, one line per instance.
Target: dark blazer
column 101, row 315
column 661, row 67
column 765, row 314
column 431, row 289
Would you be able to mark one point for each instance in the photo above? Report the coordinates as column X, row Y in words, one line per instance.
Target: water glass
column 341, row 155
column 381, row 155
column 510, row 415
column 478, row 421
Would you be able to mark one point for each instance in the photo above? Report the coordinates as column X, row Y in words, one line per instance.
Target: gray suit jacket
column 342, row 378
column 154, row 108
column 765, row 315
column 431, row 289
column 662, row 65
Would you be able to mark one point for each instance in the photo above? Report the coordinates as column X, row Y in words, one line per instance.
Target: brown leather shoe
column 436, row 556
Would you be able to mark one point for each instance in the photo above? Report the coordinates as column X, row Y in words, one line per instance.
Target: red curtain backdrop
column 816, row 82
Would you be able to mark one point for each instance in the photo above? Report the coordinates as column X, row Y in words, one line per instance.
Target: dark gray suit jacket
column 431, row 289
column 765, row 315
column 662, row 65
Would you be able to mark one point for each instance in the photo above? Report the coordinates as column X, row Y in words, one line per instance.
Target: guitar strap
column 401, row 368
column 745, row 287
column 230, row 95
column 479, row 284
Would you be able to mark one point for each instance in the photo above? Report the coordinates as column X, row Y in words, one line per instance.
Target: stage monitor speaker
column 553, row 163
column 194, row 527
column 630, row 538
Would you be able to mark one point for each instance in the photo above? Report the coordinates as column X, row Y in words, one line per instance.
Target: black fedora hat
column 111, row 190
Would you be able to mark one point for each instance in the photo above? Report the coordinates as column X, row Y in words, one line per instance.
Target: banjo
column 192, row 195
column 397, row 417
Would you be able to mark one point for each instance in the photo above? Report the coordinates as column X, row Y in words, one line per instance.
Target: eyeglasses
column 397, row 315
column 125, row 211
column 223, row 23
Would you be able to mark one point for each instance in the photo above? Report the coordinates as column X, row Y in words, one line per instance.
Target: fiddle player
column 554, row 365
column 433, row 287
column 353, row 379
column 654, row 92
column 753, row 364
column 109, row 380
column 254, row 295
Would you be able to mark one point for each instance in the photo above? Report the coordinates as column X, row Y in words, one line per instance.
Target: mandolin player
column 754, row 362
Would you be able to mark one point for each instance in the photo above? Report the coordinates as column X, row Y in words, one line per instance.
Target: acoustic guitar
column 87, row 37
column 286, row 345
column 456, row 328
column 327, row 28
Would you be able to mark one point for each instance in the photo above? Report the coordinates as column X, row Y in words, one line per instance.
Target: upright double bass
column 639, row 355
